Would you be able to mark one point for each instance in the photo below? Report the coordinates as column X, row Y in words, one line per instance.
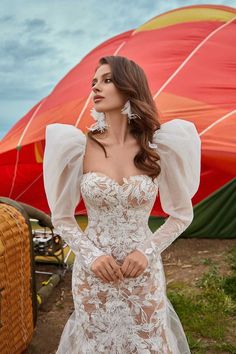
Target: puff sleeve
column 179, row 147
column 62, row 171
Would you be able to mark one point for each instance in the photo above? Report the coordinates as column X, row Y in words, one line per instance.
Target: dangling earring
column 127, row 110
column 100, row 123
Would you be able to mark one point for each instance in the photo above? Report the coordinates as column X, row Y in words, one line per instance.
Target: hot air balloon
column 189, row 57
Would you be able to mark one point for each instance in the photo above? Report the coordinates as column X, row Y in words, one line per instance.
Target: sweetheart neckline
column 125, row 179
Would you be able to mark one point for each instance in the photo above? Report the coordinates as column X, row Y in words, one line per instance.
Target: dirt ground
column 183, row 261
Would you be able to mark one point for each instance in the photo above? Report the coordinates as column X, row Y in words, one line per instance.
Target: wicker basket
column 17, row 313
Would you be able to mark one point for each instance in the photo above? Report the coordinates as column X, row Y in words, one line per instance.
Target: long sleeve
column 179, row 147
column 62, row 172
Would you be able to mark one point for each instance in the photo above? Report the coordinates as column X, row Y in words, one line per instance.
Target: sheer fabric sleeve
column 62, row 172
column 179, row 147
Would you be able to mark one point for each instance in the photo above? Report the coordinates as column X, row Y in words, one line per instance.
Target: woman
column 118, row 281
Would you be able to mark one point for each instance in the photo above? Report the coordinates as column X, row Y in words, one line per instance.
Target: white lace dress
column 134, row 315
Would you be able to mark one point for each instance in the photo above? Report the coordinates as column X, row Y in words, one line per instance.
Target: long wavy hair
column 130, row 79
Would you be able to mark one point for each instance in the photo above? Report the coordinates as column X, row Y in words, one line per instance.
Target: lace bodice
column 118, row 210
column 133, row 316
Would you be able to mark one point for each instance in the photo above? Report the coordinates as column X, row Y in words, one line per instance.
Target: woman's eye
column 105, row 80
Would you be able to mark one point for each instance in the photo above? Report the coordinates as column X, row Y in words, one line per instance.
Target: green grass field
column 208, row 310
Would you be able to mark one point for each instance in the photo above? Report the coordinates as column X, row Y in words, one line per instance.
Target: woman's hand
column 134, row 264
column 106, row 268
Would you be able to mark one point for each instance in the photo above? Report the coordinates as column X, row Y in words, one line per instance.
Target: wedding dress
column 133, row 315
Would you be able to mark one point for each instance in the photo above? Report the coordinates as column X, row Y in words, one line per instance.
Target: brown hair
column 130, row 79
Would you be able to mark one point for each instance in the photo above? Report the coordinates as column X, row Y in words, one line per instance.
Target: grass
column 208, row 310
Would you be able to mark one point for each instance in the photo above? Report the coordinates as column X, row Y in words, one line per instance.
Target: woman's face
column 102, row 85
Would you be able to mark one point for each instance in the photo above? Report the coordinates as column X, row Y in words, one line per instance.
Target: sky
column 40, row 41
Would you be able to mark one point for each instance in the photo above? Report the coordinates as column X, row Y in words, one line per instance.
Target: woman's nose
column 96, row 87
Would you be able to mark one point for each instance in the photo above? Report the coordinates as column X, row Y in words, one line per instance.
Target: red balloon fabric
column 189, row 57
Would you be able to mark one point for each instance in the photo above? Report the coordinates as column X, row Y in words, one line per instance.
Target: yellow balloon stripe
column 187, row 15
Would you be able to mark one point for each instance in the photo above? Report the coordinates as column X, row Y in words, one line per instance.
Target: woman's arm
column 62, row 172
column 179, row 147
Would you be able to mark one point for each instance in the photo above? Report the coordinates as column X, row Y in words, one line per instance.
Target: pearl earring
column 100, row 123
column 127, row 110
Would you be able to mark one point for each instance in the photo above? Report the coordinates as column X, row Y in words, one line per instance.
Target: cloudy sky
column 40, row 41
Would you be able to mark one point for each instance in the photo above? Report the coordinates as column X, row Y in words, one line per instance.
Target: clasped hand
column 107, row 269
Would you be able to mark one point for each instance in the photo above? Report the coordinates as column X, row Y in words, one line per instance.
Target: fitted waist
column 118, row 218
column 118, row 227
column 120, row 234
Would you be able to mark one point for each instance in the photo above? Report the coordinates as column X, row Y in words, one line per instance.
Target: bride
column 118, row 167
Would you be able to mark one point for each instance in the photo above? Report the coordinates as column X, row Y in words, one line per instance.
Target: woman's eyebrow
column 102, row 76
